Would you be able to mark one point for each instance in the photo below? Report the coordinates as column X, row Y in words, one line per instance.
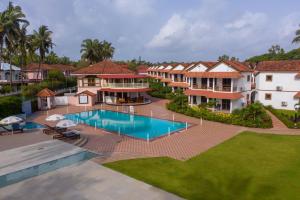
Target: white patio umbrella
column 55, row 117
column 65, row 123
column 11, row 120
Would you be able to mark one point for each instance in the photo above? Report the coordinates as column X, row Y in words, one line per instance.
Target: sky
column 167, row 30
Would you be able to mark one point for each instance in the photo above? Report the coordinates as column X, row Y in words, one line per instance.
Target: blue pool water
column 37, row 170
column 136, row 126
column 32, row 125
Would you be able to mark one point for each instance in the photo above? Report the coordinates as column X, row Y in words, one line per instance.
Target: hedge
column 10, row 105
column 253, row 115
column 283, row 118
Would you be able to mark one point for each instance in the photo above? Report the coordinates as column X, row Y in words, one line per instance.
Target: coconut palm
column 90, row 50
column 297, row 38
column 107, row 50
column 10, row 26
column 42, row 41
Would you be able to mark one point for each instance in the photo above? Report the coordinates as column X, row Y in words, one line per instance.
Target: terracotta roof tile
column 280, row 66
column 142, row 68
column 104, row 67
column 241, row 67
column 46, row 93
column 217, row 95
column 60, row 67
column 87, row 92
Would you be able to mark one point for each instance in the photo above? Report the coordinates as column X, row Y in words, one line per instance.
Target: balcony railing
column 125, row 85
column 217, row 88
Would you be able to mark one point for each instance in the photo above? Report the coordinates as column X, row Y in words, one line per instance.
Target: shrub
column 253, row 115
column 285, row 117
column 6, row 89
column 158, row 90
column 10, row 106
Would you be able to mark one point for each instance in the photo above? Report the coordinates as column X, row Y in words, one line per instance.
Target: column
column 231, row 85
column 214, row 84
column 231, row 106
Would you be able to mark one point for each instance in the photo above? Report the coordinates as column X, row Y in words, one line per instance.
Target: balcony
column 216, row 88
column 125, row 85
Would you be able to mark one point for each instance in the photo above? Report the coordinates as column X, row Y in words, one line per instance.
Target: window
column 83, row 99
column 268, row 96
column 269, row 78
column 91, row 81
column 284, row 104
column 248, row 78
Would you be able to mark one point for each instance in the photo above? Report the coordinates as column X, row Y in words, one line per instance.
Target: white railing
column 125, row 85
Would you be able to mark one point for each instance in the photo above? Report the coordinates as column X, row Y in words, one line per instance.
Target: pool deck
column 181, row 145
column 83, row 180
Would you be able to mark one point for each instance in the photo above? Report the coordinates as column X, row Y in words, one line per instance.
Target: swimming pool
column 32, row 125
column 43, row 168
column 137, row 126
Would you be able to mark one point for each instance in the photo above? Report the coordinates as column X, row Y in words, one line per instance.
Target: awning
column 213, row 75
column 125, row 89
column 215, row 95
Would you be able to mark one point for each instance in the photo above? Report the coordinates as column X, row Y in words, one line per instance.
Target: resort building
column 5, row 74
column 278, row 83
column 226, row 83
column 33, row 72
column 111, row 83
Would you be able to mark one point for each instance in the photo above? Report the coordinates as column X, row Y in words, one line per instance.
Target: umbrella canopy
column 11, row 120
column 65, row 124
column 55, row 117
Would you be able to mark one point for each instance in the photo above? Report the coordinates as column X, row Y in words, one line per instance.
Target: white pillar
column 231, row 106
column 214, row 84
column 231, row 88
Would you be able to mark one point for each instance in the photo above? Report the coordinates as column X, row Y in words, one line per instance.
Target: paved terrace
column 182, row 145
column 82, row 180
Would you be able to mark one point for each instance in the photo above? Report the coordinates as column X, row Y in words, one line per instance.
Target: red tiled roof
column 87, row 92
column 179, row 84
column 211, row 94
column 46, row 93
column 297, row 95
column 214, row 74
column 104, row 67
column 121, row 76
column 125, row 89
column 280, row 66
column 241, row 67
column 60, row 67
column 142, row 69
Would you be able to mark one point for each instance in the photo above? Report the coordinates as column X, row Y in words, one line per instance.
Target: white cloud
column 134, row 7
column 173, row 30
column 288, row 25
column 248, row 20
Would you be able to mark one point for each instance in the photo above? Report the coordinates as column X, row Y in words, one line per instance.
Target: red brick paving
column 182, row 146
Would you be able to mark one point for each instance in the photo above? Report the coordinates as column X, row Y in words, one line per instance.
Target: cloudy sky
column 165, row 30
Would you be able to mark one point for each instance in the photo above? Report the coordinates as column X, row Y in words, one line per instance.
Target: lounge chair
column 53, row 130
column 71, row 134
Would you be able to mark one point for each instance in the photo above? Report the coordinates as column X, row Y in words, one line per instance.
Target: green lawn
column 248, row 166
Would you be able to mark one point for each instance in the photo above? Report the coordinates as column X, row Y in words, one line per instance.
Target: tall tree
column 10, row 26
column 90, row 50
column 42, row 42
column 107, row 50
column 297, row 37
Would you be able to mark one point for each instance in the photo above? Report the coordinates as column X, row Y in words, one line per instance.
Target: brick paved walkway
column 182, row 146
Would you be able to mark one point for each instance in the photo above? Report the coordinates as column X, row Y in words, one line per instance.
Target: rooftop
column 280, row 66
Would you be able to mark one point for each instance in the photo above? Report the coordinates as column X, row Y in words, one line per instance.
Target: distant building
column 5, row 73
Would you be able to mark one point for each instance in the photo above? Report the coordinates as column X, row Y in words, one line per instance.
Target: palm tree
column 90, row 50
column 42, row 42
column 297, row 38
column 11, row 21
column 107, row 50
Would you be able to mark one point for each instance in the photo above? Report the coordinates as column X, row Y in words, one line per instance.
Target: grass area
column 248, row 166
column 290, row 113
